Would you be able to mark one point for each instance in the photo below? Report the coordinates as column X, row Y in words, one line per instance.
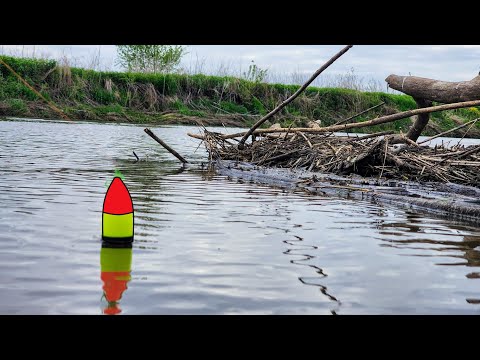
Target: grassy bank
column 189, row 99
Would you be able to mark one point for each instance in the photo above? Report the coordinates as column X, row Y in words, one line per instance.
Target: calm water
column 205, row 244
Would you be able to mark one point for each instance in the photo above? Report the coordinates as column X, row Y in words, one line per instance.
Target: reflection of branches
column 464, row 249
column 467, row 247
column 318, row 270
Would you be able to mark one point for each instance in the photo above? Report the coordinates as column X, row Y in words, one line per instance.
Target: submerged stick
column 291, row 98
column 136, row 156
column 376, row 121
column 160, row 141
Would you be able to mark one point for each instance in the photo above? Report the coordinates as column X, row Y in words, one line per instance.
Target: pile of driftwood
column 325, row 159
column 385, row 155
column 374, row 155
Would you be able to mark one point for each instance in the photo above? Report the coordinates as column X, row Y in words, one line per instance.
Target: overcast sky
column 445, row 62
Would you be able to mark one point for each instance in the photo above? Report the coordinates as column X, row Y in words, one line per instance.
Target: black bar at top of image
column 242, row 24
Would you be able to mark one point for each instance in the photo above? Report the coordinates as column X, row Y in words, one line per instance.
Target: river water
column 205, row 244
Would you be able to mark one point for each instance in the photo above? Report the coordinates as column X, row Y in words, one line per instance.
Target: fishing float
column 117, row 214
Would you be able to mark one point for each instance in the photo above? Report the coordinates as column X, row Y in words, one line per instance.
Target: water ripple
column 206, row 243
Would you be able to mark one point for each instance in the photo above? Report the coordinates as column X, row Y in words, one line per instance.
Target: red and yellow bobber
column 117, row 217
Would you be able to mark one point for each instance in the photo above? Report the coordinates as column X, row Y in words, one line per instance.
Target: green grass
column 17, row 106
column 140, row 96
column 232, row 108
column 109, row 109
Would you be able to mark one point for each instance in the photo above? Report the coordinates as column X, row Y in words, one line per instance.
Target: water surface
column 205, row 244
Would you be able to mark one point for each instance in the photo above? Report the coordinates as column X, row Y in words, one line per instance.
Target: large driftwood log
column 424, row 91
column 436, row 90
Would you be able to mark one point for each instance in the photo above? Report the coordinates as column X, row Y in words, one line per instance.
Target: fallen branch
column 160, row 141
column 377, row 121
column 291, row 98
column 306, row 139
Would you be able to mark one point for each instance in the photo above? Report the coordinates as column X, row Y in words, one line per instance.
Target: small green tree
column 255, row 74
column 150, row 58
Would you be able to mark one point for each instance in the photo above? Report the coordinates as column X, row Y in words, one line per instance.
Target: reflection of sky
column 201, row 246
column 445, row 62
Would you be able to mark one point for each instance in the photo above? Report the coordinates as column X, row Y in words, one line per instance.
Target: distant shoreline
column 181, row 99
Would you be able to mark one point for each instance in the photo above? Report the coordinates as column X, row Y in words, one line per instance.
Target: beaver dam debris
column 374, row 155
column 387, row 167
column 437, row 180
column 440, row 180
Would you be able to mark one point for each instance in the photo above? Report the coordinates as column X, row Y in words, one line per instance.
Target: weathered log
column 436, row 90
column 421, row 121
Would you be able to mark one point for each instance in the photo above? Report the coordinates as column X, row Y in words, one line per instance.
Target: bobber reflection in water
column 117, row 217
column 115, row 265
